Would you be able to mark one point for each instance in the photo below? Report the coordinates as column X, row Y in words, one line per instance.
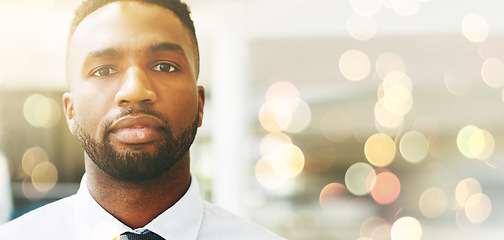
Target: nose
column 135, row 88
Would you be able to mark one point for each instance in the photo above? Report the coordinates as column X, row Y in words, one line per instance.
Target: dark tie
column 144, row 236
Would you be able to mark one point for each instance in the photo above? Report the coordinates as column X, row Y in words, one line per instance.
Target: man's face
column 134, row 102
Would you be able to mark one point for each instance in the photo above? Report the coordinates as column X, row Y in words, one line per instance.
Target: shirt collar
column 181, row 221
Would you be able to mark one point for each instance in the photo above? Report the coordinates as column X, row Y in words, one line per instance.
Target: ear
column 201, row 103
column 69, row 112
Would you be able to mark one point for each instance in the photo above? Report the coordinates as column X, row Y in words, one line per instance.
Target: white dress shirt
column 80, row 217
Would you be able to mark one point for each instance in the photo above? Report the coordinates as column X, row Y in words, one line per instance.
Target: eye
column 165, row 67
column 102, row 72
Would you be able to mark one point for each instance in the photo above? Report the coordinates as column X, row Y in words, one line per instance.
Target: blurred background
column 324, row 119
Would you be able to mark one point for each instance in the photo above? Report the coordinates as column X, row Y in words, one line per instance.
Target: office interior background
column 324, row 119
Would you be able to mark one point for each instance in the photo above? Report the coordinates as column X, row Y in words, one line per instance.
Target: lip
column 134, row 130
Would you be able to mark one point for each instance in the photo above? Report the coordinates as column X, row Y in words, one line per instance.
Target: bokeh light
column 475, row 28
column 463, row 222
column 359, row 178
column 380, row 150
column 299, row 117
column 30, row 192
column 492, row 72
column 385, row 118
column 386, row 187
column 361, row 28
column 492, row 47
column 44, row 176
column 32, row 157
column 413, row 146
column 381, row 232
column 478, row 207
column 398, row 99
column 274, row 116
column 406, row 228
column 354, row 65
column 282, row 107
column 267, row 176
column 272, row 141
column 365, row 8
column 336, row 126
column 464, row 140
column 481, row 144
column 41, row 111
column 282, row 91
column 397, row 78
column 331, row 195
column 405, row 7
column 370, row 224
column 433, row 202
column 455, row 83
column 389, row 62
column 465, row 189
column 288, row 160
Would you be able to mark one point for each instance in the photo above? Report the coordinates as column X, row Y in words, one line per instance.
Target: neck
column 137, row 203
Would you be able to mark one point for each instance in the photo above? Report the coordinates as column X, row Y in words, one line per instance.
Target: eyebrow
column 116, row 52
column 165, row 46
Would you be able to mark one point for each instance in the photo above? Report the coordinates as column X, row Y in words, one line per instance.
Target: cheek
column 89, row 112
column 182, row 105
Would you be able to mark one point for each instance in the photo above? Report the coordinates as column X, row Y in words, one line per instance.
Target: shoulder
column 55, row 215
column 219, row 223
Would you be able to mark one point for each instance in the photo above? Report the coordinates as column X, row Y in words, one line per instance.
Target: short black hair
column 176, row 6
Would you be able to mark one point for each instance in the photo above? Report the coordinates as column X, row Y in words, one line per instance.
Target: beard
column 138, row 165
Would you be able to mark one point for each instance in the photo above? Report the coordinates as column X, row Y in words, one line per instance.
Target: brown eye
column 102, row 72
column 165, row 67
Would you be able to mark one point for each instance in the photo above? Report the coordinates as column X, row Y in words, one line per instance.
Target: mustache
column 136, row 110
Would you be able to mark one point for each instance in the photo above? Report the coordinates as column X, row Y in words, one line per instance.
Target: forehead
column 128, row 25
